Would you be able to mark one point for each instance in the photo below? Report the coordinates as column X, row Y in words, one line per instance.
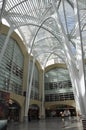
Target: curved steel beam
column 71, row 4
column 17, row 5
column 33, row 24
column 37, row 33
column 50, row 53
column 2, row 9
column 45, row 38
column 28, row 84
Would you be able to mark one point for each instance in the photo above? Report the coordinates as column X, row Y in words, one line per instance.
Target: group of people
column 65, row 116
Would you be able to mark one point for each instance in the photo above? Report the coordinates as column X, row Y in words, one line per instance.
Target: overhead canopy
column 35, row 21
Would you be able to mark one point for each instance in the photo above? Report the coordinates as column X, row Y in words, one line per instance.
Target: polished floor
column 48, row 124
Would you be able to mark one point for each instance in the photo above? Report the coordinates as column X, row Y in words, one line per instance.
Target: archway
column 33, row 112
column 14, row 110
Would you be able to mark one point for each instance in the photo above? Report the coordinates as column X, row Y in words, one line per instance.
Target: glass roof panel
column 67, row 16
column 33, row 21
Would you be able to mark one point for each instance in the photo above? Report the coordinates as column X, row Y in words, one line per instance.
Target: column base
column 25, row 118
column 84, row 124
column 42, row 117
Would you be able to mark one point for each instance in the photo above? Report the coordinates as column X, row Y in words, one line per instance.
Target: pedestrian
column 67, row 115
column 62, row 118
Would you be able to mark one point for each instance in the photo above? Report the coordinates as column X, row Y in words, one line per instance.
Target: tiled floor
column 48, row 124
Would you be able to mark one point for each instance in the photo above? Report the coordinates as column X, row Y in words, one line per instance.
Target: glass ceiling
column 34, row 21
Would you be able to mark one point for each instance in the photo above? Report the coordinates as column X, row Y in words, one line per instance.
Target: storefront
column 55, row 110
column 14, row 111
column 4, row 108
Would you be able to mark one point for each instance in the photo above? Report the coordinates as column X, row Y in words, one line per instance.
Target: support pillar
column 80, row 63
column 28, row 93
column 43, row 101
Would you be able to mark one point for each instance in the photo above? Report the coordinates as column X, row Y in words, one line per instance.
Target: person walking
column 62, row 118
column 67, row 115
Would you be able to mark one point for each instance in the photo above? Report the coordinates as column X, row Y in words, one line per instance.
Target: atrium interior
column 42, row 59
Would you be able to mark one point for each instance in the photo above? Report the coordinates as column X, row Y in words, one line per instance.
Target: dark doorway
column 14, row 111
column 33, row 113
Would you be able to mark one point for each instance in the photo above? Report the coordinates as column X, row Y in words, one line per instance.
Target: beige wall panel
column 51, row 104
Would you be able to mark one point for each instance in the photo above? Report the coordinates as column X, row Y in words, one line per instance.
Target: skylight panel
column 4, row 21
column 69, row 15
column 1, row 4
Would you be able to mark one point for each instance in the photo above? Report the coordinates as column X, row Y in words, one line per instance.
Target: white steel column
column 28, row 92
column 43, row 99
column 5, row 44
column 2, row 9
column 80, row 63
column 70, row 61
column 80, row 57
column 27, row 89
column 75, row 84
column 73, row 79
